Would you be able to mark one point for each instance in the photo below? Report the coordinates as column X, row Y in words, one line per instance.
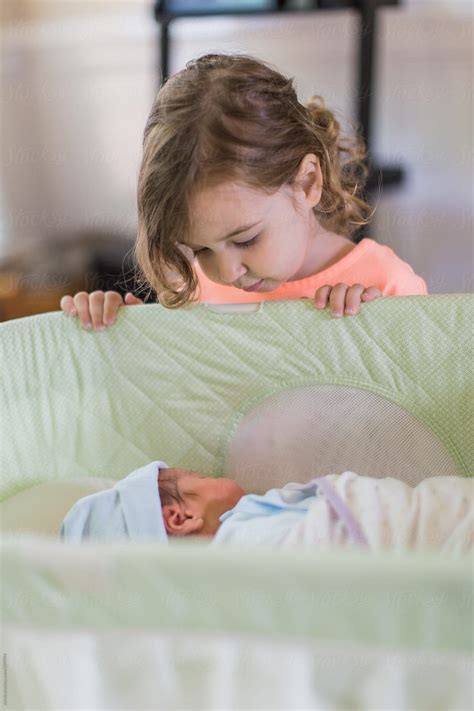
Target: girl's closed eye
column 240, row 245
column 248, row 243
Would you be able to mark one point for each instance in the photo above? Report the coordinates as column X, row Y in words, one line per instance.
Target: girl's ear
column 180, row 521
column 310, row 179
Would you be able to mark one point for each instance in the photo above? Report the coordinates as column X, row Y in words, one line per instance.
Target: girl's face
column 247, row 239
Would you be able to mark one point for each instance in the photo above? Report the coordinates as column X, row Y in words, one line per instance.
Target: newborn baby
column 346, row 510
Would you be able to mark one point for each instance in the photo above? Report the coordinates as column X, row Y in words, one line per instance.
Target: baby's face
column 208, row 497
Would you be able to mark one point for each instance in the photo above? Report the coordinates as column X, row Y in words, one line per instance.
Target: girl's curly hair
column 233, row 118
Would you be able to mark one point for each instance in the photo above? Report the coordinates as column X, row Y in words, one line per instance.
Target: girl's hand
column 343, row 299
column 98, row 309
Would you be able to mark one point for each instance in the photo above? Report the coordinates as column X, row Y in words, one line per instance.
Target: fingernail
column 349, row 311
column 87, row 325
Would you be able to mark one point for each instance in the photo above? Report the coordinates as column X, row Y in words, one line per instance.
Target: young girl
column 245, row 194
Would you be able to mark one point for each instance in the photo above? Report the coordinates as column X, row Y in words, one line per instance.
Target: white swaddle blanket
column 347, row 509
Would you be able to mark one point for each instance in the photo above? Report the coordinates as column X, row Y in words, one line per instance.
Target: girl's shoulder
column 369, row 263
column 378, row 263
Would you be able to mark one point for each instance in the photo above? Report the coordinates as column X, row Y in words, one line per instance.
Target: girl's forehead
column 221, row 210
column 226, row 198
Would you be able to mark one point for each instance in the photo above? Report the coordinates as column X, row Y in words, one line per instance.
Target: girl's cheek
column 203, row 263
column 207, row 268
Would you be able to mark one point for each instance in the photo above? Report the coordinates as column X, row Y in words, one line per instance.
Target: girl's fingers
column 337, row 299
column 371, row 293
column 131, row 300
column 353, row 297
column 112, row 302
column 344, row 299
column 67, row 304
column 81, row 304
column 321, row 296
column 96, row 308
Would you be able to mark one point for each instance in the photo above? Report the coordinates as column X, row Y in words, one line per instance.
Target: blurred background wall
column 78, row 80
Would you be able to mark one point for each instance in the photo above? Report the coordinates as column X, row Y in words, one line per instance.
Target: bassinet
column 268, row 395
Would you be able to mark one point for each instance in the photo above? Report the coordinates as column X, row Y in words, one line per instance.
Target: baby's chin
column 232, row 491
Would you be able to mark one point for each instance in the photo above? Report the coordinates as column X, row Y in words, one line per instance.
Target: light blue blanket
column 268, row 519
column 264, row 519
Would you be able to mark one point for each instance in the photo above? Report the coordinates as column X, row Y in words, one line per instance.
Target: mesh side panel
column 321, row 429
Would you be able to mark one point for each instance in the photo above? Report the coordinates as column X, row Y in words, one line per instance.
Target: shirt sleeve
column 412, row 285
column 396, row 277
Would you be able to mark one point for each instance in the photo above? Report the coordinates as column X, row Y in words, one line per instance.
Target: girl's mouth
column 254, row 287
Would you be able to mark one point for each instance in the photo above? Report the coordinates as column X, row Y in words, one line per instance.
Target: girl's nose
column 230, row 269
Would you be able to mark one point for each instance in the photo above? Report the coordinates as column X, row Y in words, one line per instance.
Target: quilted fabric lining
column 175, row 385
